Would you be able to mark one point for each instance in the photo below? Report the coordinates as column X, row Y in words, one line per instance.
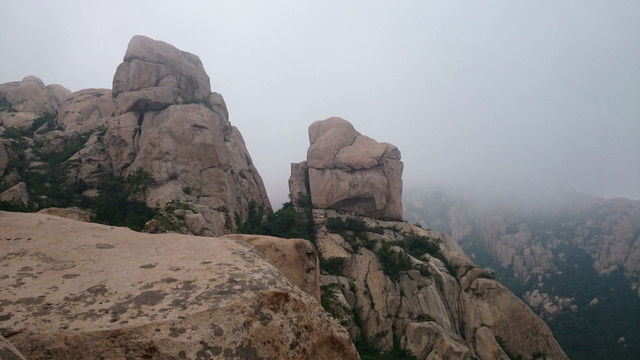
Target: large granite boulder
column 184, row 140
column 31, row 95
column 75, row 290
column 17, row 194
column 155, row 74
column 346, row 170
column 86, row 110
column 297, row 259
column 21, row 102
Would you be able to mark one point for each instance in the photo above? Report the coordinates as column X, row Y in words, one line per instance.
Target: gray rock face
column 192, row 151
column 160, row 116
column 32, row 96
column 155, row 75
column 349, row 171
column 86, row 110
column 16, row 194
column 437, row 308
column 75, row 290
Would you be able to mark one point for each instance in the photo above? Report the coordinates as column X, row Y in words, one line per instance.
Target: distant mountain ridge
column 576, row 258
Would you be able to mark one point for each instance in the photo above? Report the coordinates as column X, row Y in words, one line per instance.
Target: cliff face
column 573, row 259
column 384, row 288
column 76, row 290
column 160, row 117
column 391, row 283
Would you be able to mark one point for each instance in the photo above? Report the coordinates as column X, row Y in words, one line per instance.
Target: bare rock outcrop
column 74, row 290
column 72, row 213
column 348, row 171
column 169, row 123
column 86, row 110
column 31, row 96
column 297, row 259
column 160, row 117
column 155, row 74
column 18, row 194
column 438, row 304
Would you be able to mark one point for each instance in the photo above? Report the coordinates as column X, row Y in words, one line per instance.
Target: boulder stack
column 348, row 171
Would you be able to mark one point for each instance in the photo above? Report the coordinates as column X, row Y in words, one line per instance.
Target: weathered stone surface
column 351, row 172
column 160, row 116
column 194, row 155
column 57, row 140
column 86, row 110
column 436, row 314
column 428, row 340
column 72, row 213
column 155, row 75
column 74, row 290
column 18, row 194
column 299, row 182
column 8, row 351
column 92, row 164
column 191, row 150
column 31, row 96
column 296, row 259
column 487, row 347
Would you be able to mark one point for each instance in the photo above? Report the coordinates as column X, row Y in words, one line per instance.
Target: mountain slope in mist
column 574, row 258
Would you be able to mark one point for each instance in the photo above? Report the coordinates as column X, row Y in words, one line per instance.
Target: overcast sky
column 490, row 95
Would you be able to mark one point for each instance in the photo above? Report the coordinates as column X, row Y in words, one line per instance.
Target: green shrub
column 424, row 318
column 187, row 190
column 355, row 225
column 368, row 351
column 285, row 223
column 335, row 225
column 333, row 306
column 393, row 261
column 420, row 245
column 5, row 105
column 333, row 266
column 15, row 207
column 118, row 201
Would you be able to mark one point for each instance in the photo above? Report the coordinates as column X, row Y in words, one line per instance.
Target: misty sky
column 496, row 96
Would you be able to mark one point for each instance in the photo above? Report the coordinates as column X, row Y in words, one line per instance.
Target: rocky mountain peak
column 348, row 171
column 155, row 74
column 160, row 118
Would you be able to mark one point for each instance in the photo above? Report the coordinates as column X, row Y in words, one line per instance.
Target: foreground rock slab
column 75, row 290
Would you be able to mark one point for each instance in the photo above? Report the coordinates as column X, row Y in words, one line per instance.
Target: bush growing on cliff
column 119, row 200
column 393, row 261
column 420, row 245
column 287, row 222
column 5, row 105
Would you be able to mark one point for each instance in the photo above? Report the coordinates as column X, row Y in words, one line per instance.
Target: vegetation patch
column 5, row 105
column 287, row 222
column 368, row 351
column 394, row 262
column 333, row 266
column 120, row 200
column 333, row 306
